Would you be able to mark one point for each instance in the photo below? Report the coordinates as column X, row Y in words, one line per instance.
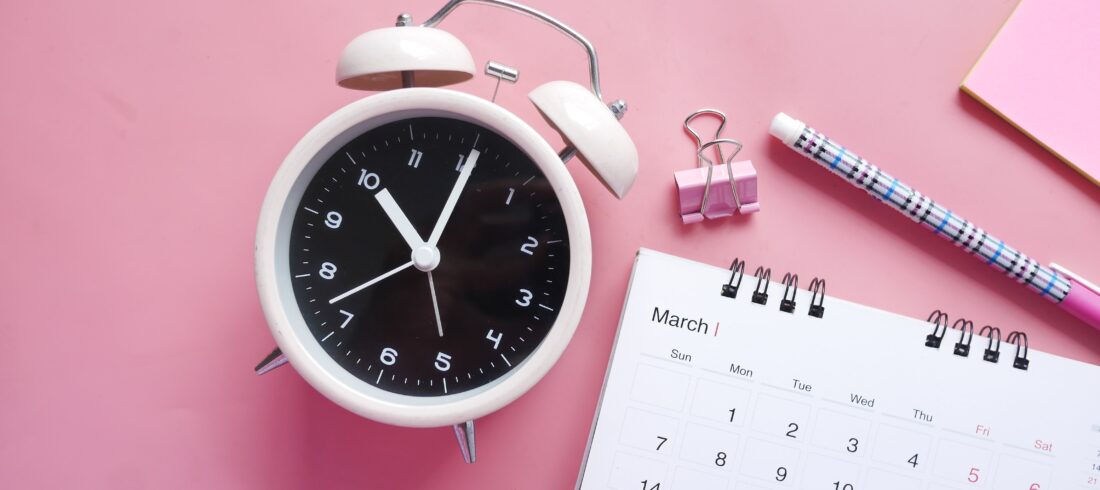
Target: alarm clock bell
column 397, row 57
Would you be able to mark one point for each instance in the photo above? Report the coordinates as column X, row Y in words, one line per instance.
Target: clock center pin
column 426, row 258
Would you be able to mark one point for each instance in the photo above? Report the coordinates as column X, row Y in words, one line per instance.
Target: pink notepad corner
column 1042, row 74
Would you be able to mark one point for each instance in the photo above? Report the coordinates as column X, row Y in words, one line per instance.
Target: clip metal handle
column 695, row 186
column 717, row 133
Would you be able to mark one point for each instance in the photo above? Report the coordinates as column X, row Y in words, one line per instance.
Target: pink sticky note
column 1040, row 74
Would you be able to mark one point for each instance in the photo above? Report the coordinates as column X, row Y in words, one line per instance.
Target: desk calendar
column 705, row 391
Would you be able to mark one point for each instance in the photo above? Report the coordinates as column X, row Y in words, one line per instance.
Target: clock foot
column 464, row 432
column 273, row 360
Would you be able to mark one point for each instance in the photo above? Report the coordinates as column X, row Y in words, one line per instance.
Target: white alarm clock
column 422, row 255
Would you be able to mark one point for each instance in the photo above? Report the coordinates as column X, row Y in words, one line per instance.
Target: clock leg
column 273, row 360
column 464, row 432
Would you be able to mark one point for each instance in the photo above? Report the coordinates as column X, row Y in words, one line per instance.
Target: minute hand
column 372, row 282
column 449, row 207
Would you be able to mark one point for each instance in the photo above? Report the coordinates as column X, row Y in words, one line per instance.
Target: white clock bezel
column 273, row 272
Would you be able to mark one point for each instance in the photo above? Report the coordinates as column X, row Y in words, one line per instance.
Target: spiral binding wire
column 790, row 290
column 966, row 335
column 737, row 270
column 992, row 353
column 939, row 319
column 817, row 300
column 1021, row 361
column 763, row 277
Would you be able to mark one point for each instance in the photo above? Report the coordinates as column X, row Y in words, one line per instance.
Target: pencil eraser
column 786, row 128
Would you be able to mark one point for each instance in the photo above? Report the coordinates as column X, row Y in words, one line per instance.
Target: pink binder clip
column 712, row 192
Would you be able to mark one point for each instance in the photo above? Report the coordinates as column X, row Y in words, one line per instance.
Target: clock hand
column 449, row 207
column 371, row 282
column 435, row 304
column 398, row 218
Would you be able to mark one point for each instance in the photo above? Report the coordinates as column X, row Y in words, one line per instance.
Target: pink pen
column 1074, row 294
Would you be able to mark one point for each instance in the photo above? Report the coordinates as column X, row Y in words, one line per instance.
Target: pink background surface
column 1034, row 75
column 140, row 137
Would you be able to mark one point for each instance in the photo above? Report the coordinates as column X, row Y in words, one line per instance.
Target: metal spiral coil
column 966, row 336
column 939, row 320
column 790, row 290
column 763, row 277
column 737, row 271
column 993, row 350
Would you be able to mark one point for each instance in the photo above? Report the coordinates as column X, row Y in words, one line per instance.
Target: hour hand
column 393, row 211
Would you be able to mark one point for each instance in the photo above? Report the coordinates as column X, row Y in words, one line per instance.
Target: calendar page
column 709, row 392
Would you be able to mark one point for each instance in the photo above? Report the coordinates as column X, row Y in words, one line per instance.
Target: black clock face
column 429, row 256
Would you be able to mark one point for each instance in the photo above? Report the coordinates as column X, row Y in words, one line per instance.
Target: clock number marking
column 328, row 270
column 414, row 158
column 443, row 362
column 333, row 219
column 388, row 357
column 458, row 167
column 369, row 180
column 348, row 320
column 511, row 192
column 529, row 247
column 525, row 300
column 496, row 340
column 662, row 443
column 913, row 460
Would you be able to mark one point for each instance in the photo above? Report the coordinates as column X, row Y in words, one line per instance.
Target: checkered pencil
column 1055, row 283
